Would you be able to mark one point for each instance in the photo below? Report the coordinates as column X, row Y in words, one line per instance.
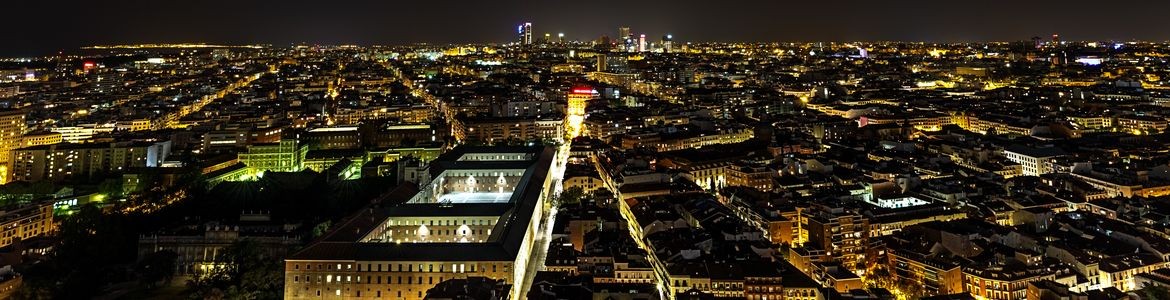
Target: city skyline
column 373, row 23
column 548, row 150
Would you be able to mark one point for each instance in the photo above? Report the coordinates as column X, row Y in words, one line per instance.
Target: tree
column 112, row 188
column 321, row 228
column 572, row 195
column 1155, row 292
column 92, row 245
column 156, row 267
column 246, row 271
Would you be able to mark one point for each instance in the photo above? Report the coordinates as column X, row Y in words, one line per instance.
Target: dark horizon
column 88, row 23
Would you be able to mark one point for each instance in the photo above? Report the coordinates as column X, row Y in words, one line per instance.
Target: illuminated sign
column 582, row 91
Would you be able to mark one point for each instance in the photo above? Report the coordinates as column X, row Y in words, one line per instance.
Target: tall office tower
column 11, row 136
column 642, row 43
column 525, row 32
column 547, row 38
column 520, row 34
column 601, row 63
column 626, row 38
column 561, row 37
column 1055, row 40
column 667, row 43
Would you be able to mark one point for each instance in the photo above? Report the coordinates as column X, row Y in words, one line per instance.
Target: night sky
column 45, row 26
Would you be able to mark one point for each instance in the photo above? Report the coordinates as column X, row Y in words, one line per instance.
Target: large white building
column 80, row 133
column 1035, row 161
column 475, row 214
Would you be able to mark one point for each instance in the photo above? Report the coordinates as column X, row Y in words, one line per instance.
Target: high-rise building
column 561, row 37
column 642, row 43
column 525, row 33
column 11, row 137
column 547, row 38
column 601, row 63
column 627, row 39
column 667, row 43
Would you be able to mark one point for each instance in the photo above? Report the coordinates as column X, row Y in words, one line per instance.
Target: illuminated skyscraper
column 525, row 32
column 561, row 37
column 642, row 43
column 627, row 39
column 667, row 43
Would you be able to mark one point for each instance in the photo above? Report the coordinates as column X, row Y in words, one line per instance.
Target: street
column 540, row 249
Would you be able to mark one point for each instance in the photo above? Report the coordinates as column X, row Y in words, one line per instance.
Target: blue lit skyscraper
column 525, row 33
